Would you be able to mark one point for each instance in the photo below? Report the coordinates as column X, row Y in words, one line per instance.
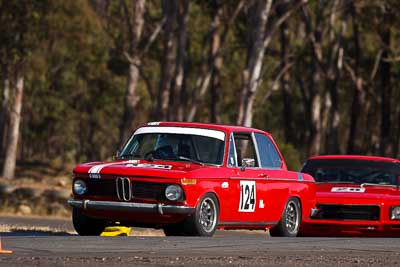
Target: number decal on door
column 247, row 196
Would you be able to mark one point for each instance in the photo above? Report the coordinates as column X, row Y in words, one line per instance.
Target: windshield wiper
column 336, row 182
column 129, row 156
column 373, row 184
column 191, row 160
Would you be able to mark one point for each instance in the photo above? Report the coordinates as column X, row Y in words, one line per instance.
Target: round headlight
column 173, row 192
column 395, row 213
column 80, row 187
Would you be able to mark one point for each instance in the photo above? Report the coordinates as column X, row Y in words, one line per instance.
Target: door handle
column 263, row 175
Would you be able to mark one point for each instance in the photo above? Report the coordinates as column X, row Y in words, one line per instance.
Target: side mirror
column 247, row 162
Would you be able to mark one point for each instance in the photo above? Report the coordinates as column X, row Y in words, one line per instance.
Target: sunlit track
column 226, row 247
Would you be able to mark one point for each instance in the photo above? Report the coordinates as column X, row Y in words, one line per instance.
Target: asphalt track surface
column 226, row 248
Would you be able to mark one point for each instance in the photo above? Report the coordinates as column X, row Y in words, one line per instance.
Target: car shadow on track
column 34, row 233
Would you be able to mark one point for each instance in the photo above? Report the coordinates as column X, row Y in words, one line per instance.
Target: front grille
column 348, row 212
column 97, row 187
column 143, row 190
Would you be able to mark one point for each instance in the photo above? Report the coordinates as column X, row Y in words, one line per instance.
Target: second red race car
column 356, row 196
column 190, row 179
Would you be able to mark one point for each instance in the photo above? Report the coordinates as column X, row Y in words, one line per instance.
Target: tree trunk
column 285, row 79
column 369, row 138
column 334, row 115
column 396, row 141
column 353, row 146
column 386, row 89
column 334, row 70
column 257, row 17
column 314, row 33
column 165, row 91
column 131, row 98
column 316, row 124
column 203, row 81
column 216, row 62
column 13, row 133
column 181, row 64
column 4, row 113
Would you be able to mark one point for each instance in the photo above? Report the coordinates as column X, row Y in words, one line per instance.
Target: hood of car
column 142, row 168
column 357, row 193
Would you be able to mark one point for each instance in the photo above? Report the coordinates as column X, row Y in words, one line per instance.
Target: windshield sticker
column 153, row 123
column 247, row 196
column 348, row 189
column 182, row 130
column 147, row 165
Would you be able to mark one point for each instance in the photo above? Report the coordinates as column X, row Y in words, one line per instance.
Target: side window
column 244, row 148
column 269, row 157
column 232, row 155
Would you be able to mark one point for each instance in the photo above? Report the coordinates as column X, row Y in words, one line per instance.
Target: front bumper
column 130, row 207
column 350, row 228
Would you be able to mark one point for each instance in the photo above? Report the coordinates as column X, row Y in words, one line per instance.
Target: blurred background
column 78, row 76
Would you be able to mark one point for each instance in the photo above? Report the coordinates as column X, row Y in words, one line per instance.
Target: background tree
column 19, row 39
column 134, row 27
column 319, row 75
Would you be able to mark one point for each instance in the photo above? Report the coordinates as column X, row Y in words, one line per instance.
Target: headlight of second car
column 173, row 192
column 395, row 214
column 80, row 187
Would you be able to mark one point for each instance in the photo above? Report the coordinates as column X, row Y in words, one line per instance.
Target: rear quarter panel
column 287, row 184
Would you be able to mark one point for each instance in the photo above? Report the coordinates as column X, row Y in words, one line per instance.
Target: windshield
column 353, row 171
column 177, row 147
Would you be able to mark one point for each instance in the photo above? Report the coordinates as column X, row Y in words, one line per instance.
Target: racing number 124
column 247, row 196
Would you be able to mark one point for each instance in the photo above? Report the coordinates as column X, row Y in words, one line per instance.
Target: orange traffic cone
column 4, row 251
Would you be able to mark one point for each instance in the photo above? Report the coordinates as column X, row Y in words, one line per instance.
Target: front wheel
column 205, row 219
column 289, row 224
column 87, row 226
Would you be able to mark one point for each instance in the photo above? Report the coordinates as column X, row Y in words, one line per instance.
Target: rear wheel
column 289, row 224
column 205, row 219
column 85, row 225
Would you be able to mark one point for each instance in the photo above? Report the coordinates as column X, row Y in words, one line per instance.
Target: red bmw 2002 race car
column 356, row 195
column 191, row 178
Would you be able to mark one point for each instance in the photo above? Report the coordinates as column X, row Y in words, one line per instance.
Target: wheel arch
column 205, row 192
column 298, row 197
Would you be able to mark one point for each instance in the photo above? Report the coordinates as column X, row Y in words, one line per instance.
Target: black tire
column 87, row 226
column 204, row 221
column 290, row 222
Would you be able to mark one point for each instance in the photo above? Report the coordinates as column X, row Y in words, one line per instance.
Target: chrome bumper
column 130, row 207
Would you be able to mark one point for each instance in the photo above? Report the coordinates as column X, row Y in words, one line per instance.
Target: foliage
column 76, row 73
column 291, row 156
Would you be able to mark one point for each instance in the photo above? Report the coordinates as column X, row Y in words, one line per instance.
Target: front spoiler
column 130, row 207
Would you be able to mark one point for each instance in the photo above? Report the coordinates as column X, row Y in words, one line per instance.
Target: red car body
column 356, row 195
column 247, row 197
